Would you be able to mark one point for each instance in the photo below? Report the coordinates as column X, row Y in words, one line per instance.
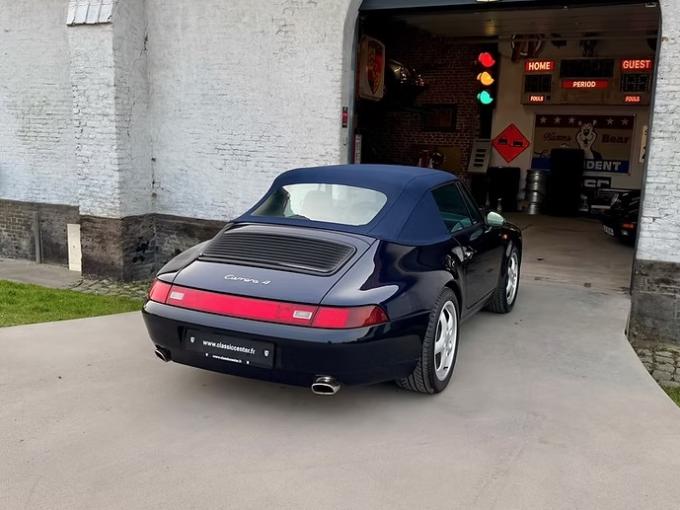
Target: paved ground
column 59, row 277
column 47, row 275
column 662, row 361
column 549, row 409
column 573, row 251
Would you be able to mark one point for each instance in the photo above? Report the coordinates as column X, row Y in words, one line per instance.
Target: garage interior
column 543, row 111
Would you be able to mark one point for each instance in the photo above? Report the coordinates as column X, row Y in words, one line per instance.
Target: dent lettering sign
column 604, row 139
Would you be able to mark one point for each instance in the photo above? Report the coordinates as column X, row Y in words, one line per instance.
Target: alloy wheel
column 446, row 338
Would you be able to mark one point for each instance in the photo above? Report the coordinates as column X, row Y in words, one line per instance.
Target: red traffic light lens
column 486, row 59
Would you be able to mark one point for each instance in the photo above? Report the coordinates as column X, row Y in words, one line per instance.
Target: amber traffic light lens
column 485, row 79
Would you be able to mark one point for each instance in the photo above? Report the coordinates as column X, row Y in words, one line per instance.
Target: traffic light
column 486, row 78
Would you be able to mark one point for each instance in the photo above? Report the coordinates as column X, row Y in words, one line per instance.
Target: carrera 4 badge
column 243, row 279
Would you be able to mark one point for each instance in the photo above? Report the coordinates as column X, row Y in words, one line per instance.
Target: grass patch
column 21, row 303
column 674, row 393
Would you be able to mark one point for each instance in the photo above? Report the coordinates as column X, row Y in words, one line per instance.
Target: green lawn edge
column 23, row 303
column 674, row 393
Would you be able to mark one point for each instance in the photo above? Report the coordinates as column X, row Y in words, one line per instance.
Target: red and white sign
column 637, row 65
column 510, row 143
column 539, row 66
column 632, row 99
column 585, row 84
column 536, row 98
column 371, row 69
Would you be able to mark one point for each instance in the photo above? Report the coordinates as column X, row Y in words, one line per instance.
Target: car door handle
column 468, row 253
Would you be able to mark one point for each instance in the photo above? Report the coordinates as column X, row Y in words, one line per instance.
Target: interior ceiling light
column 490, row 28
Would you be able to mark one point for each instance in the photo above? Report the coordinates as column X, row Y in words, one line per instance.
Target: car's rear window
column 330, row 203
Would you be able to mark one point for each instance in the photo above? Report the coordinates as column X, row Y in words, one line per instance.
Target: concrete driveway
column 549, row 409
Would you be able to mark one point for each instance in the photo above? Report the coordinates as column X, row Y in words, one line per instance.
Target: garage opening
column 542, row 109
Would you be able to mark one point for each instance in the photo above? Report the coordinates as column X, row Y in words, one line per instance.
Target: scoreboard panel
column 588, row 81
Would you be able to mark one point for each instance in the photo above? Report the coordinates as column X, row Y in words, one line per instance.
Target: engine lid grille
column 293, row 253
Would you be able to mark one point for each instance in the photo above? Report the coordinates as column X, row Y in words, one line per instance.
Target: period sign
column 371, row 69
column 605, row 140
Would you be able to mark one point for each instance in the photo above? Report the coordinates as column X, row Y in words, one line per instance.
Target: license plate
column 608, row 230
column 230, row 349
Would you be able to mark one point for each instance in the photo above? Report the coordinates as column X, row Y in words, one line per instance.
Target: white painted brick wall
column 110, row 102
column 37, row 162
column 660, row 224
column 241, row 91
column 229, row 95
column 133, row 138
column 92, row 78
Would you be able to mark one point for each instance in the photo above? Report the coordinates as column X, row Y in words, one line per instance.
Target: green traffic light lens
column 485, row 97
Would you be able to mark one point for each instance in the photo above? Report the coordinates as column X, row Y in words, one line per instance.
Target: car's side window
column 472, row 205
column 452, row 208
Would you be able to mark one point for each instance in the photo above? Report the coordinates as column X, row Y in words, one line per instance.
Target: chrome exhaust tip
column 325, row 385
column 163, row 354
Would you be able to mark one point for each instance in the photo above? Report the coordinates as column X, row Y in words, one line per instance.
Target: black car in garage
column 347, row 274
column 621, row 219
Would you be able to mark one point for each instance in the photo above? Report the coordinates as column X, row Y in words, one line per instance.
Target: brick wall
column 660, row 223
column 37, row 162
column 240, row 92
column 175, row 234
column 655, row 311
column 17, row 238
column 391, row 134
column 133, row 137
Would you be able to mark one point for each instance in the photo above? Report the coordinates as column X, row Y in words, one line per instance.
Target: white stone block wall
column 240, row 92
column 659, row 238
column 92, row 78
column 37, row 148
column 110, row 101
column 133, row 140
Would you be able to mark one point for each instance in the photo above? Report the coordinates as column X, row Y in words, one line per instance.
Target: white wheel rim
column 513, row 278
column 446, row 337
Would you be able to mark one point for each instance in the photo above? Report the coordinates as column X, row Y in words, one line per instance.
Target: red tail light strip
column 267, row 310
column 159, row 291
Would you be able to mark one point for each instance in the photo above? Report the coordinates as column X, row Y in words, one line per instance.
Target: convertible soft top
column 410, row 215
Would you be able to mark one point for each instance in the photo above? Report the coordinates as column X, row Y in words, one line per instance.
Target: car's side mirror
column 493, row 219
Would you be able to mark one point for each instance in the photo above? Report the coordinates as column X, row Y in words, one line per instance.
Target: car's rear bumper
column 616, row 230
column 354, row 356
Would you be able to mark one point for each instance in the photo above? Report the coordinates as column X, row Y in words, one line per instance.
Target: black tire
column 424, row 378
column 498, row 303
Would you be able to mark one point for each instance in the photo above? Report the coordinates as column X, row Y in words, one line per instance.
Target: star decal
column 624, row 122
column 557, row 120
column 572, row 120
column 610, row 121
column 543, row 120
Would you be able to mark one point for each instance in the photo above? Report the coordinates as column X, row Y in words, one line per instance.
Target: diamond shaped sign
column 510, row 143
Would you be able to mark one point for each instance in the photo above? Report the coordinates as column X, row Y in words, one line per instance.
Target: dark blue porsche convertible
column 348, row 274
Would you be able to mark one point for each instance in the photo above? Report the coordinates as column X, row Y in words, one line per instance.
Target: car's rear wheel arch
column 455, row 287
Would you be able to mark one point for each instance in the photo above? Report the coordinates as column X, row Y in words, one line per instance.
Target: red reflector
column 354, row 317
column 628, row 226
column 159, row 291
column 274, row 311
